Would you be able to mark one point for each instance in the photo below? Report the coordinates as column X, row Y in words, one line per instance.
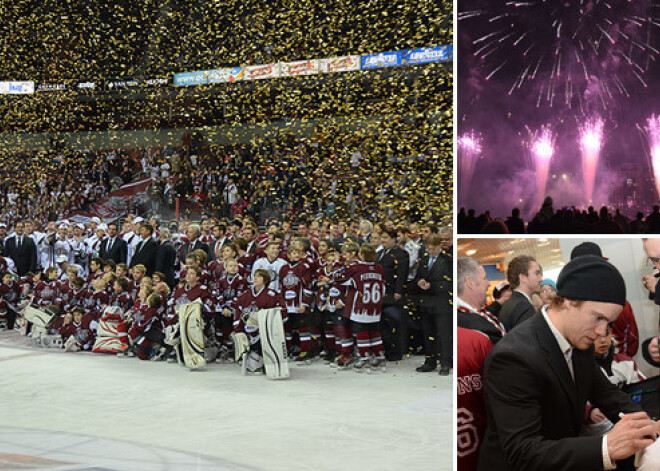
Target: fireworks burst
column 542, row 147
column 567, row 47
column 469, row 151
column 591, row 140
column 653, row 134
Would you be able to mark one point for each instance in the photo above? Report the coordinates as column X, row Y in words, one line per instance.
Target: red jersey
column 328, row 294
column 473, row 348
column 9, row 293
column 121, row 300
column 365, row 289
column 84, row 331
column 250, row 302
column 70, row 297
column 227, row 290
column 296, row 282
column 96, row 302
column 185, row 295
column 47, row 293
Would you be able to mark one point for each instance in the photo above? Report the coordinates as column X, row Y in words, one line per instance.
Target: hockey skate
column 379, row 362
column 362, row 365
column 252, row 363
column 71, row 344
column 344, row 362
column 304, row 358
column 159, row 354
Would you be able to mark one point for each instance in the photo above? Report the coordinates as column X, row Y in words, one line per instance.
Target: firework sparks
column 653, row 133
column 562, row 46
column 469, row 151
column 542, row 147
column 591, row 139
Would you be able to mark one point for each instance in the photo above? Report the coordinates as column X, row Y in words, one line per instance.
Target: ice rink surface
column 82, row 411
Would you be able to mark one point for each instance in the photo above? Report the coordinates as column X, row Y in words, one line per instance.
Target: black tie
column 20, row 242
column 110, row 244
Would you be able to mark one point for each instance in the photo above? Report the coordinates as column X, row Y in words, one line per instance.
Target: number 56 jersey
column 365, row 288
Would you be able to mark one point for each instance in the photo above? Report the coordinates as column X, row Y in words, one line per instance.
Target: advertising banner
column 294, row 69
column 258, row 72
column 16, row 88
column 381, row 59
column 51, row 87
column 340, row 64
column 426, row 55
column 204, row 77
column 235, row 74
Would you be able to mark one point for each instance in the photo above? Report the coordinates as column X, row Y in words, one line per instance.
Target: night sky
column 595, row 63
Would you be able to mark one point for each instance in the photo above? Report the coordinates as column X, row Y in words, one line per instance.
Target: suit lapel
column 557, row 363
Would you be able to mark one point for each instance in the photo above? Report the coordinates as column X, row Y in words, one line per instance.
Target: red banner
column 115, row 205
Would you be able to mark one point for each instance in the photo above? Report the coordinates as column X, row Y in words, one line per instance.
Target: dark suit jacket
column 338, row 241
column 535, row 410
column 25, row 259
column 166, row 261
column 188, row 247
column 517, row 309
column 396, row 265
column 145, row 254
column 437, row 297
column 118, row 252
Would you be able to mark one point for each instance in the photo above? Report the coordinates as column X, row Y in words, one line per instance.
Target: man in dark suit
column 394, row 320
column 113, row 247
column 351, row 234
column 166, row 257
column 22, row 250
column 145, row 250
column 221, row 239
column 539, row 377
column 524, row 276
column 193, row 243
column 434, row 283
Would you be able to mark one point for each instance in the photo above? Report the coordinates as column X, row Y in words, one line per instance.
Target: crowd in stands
column 560, row 221
column 313, row 269
column 94, row 39
column 332, row 174
column 50, row 185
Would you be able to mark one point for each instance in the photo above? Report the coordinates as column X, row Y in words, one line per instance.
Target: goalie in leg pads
column 41, row 319
column 191, row 328
column 246, row 321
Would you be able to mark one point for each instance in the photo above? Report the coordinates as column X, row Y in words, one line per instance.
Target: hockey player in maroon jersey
column 95, row 269
column 365, row 288
column 225, row 291
column 188, row 292
column 98, row 298
column 137, row 273
column 81, row 333
column 147, row 326
column 472, row 347
column 296, row 280
column 342, row 323
column 245, row 258
column 47, row 291
column 327, row 299
column 73, row 293
column 10, row 294
column 121, row 297
column 251, row 301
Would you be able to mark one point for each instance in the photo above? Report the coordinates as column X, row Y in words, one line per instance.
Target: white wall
column 629, row 257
